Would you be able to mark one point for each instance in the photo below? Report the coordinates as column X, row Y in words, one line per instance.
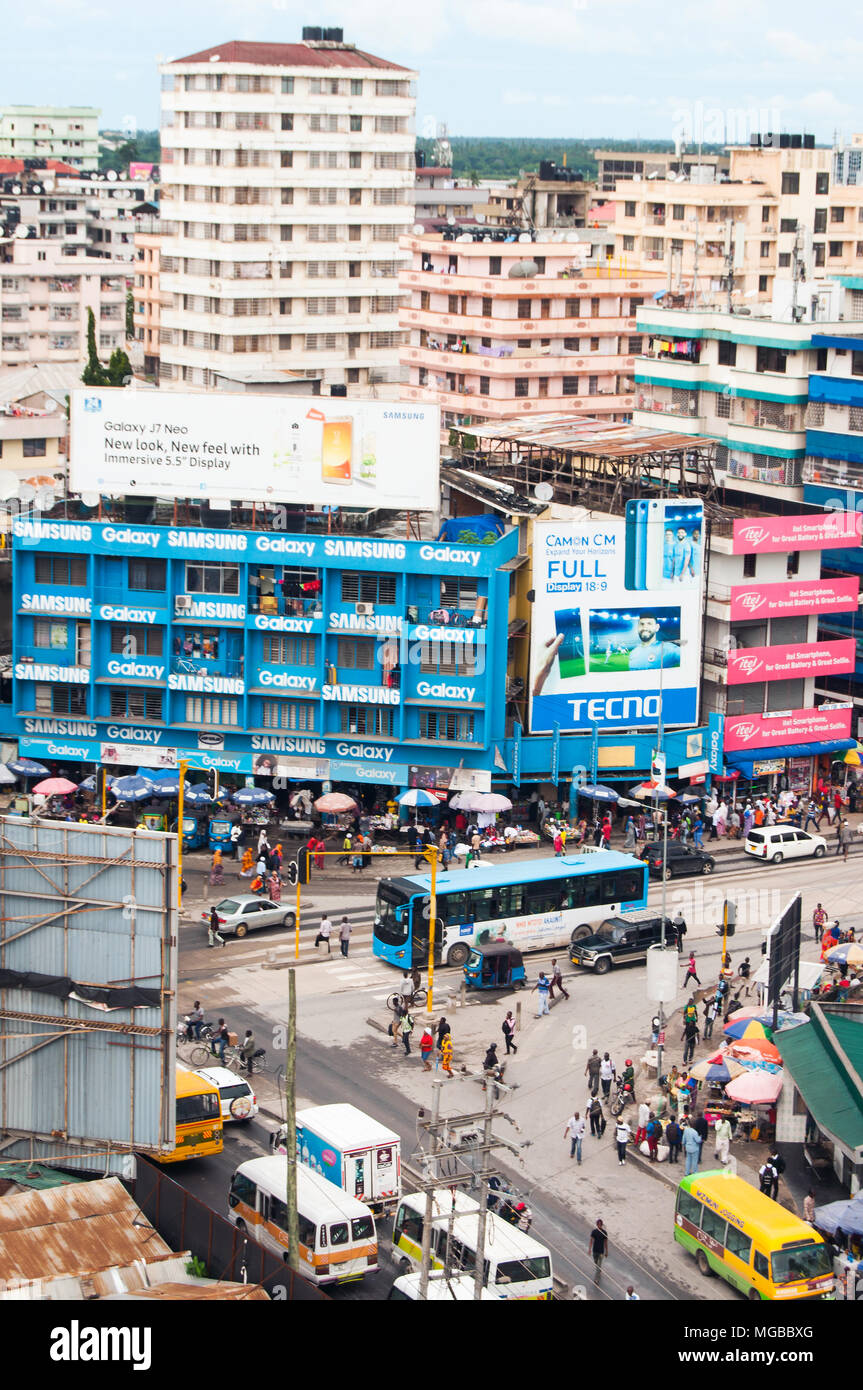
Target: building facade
column 323, row 658
column 70, row 133
column 496, row 327
column 287, row 180
column 147, row 293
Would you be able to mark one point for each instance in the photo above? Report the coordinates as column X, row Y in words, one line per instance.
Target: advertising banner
column 821, row 531
column 617, row 619
column 312, row 450
column 792, row 726
column 748, row 664
column 820, row 596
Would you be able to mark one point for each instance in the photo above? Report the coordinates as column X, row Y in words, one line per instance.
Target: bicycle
column 201, row 1056
column 413, row 1001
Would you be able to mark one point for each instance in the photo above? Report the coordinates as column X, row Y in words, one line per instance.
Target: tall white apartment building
column 287, row 180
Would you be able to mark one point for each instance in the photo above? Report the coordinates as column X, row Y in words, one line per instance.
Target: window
column 64, row 571
column 522, row 386
column 206, row 712
column 736, row 1243
column 822, row 184
column 147, row 574
column 712, row 1224
column 760, row 1265
column 727, row 354
column 448, row 658
column 356, row 122
column 523, row 309
column 135, row 703
column 288, row 714
column 355, row 160
column 357, row 653
column 571, row 344
column 287, row 86
column 286, row 159
column 629, row 243
column 749, row 566
column 762, row 284
column 487, row 307
column 356, row 87
column 689, row 1208
column 633, row 345
column 723, row 407
column 857, row 364
column 458, row 593
column 484, row 384
column 444, row 726
column 790, row 184
column 793, row 563
column 355, row 232
column 60, row 699
column 784, row 260
column 789, row 224
column 367, row 719
column 820, row 223
column 570, row 386
column 135, row 639
column 494, row 265
column 362, row 587
column 768, row 359
column 48, row 633
column 35, row 448
column 837, row 214
column 765, row 250
column 629, row 209
column 212, row 579
column 289, row 651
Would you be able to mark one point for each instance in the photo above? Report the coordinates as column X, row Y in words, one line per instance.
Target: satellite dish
column 417, row 229
column 572, row 236
column 465, row 236
column 525, row 236
column 90, row 499
column 44, row 500
column 36, row 188
column 543, row 492
column 26, row 492
column 16, row 188
column 50, row 185
column 112, row 175
column 21, row 232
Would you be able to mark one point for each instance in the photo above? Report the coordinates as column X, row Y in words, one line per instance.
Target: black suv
column 682, row 859
column 619, row 942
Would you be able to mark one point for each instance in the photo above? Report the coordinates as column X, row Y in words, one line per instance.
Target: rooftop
column 586, row 435
column 287, row 55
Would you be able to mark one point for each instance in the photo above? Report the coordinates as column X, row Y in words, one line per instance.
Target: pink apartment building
column 500, row 327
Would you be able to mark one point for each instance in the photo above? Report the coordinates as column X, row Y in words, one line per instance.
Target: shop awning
column 825, row 1061
column 744, row 758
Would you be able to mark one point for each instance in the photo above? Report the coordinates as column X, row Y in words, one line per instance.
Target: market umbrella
column 466, row 801
column 334, row 802
column 594, row 791
column 493, row 801
column 252, row 796
column 845, row 1213
column 169, row 786
column 55, row 786
column 133, row 788
column 302, row 797
column 6, row 777
column 718, row 1073
column 756, row 1050
column 416, row 796
column 746, row 1029
column 853, row 759
column 756, row 1087
column 25, row 767
column 645, row 792
column 688, row 799
column 849, row 953
column 197, row 795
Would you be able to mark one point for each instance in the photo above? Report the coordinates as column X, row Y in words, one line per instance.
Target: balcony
column 204, row 666
column 441, row 615
column 441, row 321
column 832, row 472
column 476, row 364
column 763, row 468
column 469, row 404
column 580, row 279
column 47, row 656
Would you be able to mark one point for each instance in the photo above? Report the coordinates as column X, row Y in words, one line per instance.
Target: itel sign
column 795, row 726
column 799, row 659
column 796, row 596
column 821, row 531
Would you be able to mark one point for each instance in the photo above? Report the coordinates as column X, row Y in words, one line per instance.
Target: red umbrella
column 55, row 786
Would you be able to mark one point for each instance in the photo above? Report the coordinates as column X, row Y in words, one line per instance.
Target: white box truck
column 352, row 1150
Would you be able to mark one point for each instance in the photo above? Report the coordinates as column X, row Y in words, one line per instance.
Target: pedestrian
column 216, row 869
column 574, row 1132
column 845, row 838
column 819, row 921
column 247, row 866
column 606, row 1075
column 643, row 1117
column 324, row 933
column 809, row 1207
column 711, row 1009
column 690, row 1035
column 690, row 971
column 673, row 1138
column 220, row 1040
column 345, row 930
column 236, row 838
column 556, row 981
column 777, row 1163
column 263, row 842
column 592, row 1070
column 275, row 886
column 630, row 1296
column 598, row 1248
column 406, row 1027
column 445, row 1046
column 345, row 856
column 630, row 840
column 319, row 854
column 542, row 986
column 679, row 926
column 698, row 833
column 508, row 1030
column 247, row 1051
column 597, row 1119
column 261, row 865
column 767, row 1175
column 426, row 1047
column 692, row 1148
column 558, row 845
column 654, row 1134
column 214, row 938
column 699, row 1124
column 722, row 1139
column 622, row 1132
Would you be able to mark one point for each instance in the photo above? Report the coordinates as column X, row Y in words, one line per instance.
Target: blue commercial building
column 324, row 658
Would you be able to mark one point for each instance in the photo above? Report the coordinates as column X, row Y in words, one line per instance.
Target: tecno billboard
column 793, row 596
column 821, row 531
column 827, row 724
column 748, row 664
column 313, row 450
column 617, row 618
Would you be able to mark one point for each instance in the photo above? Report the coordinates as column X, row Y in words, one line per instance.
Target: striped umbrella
column 746, row 1029
column 718, row 1073
column 849, row 953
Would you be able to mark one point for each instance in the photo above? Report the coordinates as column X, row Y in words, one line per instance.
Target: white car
column 773, row 843
column 246, row 912
column 239, row 1101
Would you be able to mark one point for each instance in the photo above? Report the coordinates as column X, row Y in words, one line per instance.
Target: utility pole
column 479, row 1271
column 431, row 1177
column 291, row 1124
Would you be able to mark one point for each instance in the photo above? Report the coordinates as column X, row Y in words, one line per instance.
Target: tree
column 130, row 316
column 119, row 369
column 94, row 373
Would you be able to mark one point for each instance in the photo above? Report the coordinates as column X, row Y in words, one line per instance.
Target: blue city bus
column 534, row 906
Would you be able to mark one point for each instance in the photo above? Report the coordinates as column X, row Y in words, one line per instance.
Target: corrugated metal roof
column 818, row 1058
column 288, row 55
column 582, row 434
column 185, row 1293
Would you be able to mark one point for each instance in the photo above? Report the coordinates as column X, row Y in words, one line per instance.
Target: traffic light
column 304, row 864
column 293, row 873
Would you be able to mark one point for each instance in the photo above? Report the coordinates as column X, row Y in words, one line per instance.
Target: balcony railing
column 51, row 656
column 833, row 472
column 206, row 666
column 441, row 615
column 779, row 472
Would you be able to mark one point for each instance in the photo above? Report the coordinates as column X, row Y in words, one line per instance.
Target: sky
column 569, row 68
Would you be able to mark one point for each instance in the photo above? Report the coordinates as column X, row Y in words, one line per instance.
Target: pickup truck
column 620, row 941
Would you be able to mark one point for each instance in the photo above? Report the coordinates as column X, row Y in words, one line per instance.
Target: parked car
column 239, row 1101
column 773, row 843
column 620, row 941
column 242, row 914
column 682, row 859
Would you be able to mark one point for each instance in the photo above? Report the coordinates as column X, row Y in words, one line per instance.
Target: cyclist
column 220, row 1040
column 196, row 1018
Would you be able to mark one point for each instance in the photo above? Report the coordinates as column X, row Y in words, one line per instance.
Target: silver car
column 242, row 914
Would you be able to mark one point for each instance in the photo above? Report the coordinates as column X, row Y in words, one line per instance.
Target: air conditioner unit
column 183, row 603
column 364, row 610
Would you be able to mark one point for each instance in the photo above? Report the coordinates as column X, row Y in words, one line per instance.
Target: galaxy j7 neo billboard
column 313, row 450
column 617, row 618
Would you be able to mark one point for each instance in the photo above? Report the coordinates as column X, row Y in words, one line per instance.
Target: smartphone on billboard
column 570, row 653
column 337, row 451
column 675, row 544
column 636, row 542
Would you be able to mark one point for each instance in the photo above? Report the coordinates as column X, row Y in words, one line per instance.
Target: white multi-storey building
column 287, row 180
column 70, row 133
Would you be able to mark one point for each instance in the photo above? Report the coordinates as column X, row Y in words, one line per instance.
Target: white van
column 773, row 843
column 457, row 1288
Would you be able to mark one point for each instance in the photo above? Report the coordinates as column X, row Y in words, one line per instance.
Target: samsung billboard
column 616, row 626
column 305, row 450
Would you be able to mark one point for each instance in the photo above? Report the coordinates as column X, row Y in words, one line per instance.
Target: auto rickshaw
column 495, row 965
column 194, row 832
column 220, row 832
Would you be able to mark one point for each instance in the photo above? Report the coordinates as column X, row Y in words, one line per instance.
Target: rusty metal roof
column 220, row 1290
column 583, row 434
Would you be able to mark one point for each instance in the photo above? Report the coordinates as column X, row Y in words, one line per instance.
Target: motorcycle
column 623, row 1096
column 186, row 1033
column 506, row 1204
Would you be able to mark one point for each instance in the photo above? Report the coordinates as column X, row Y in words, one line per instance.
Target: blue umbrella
column 252, row 796
column 198, row 795
column 25, row 767
column 133, row 788
column 597, row 792
column 687, row 799
column 416, row 796
column 167, row 786
column 847, row 1214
